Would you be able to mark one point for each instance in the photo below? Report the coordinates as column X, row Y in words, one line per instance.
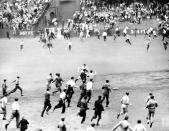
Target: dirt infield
column 129, row 68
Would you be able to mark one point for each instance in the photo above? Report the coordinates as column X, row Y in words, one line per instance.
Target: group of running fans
column 66, row 94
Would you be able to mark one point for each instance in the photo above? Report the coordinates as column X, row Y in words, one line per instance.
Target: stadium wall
column 60, row 9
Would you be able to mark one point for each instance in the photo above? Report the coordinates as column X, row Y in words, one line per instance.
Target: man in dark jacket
column 23, row 124
column 47, row 104
column 82, row 94
column 106, row 92
column 83, row 109
column 98, row 107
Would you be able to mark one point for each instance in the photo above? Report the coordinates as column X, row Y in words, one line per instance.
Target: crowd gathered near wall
column 20, row 14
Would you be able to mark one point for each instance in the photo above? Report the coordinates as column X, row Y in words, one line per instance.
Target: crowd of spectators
column 92, row 15
column 20, row 14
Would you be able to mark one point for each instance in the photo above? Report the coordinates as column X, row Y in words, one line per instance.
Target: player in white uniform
column 124, row 105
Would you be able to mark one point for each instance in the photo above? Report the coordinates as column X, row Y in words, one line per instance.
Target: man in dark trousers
column 165, row 44
column 17, row 86
column 98, row 107
column 4, row 87
column 8, row 35
column 58, row 83
column 106, row 92
column 69, row 94
column 83, row 93
column 47, row 104
column 23, row 124
column 83, row 76
column 128, row 39
column 15, row 114
column 61, row 101
column 83, row 109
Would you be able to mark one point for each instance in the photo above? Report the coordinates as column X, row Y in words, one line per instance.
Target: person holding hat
column 17, row 86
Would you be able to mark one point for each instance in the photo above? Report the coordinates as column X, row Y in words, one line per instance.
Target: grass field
column 127, row 67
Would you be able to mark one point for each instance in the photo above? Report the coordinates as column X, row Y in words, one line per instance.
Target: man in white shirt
column 139, row 126
column 104, row 35
column 71, row 82
column 84, row 67
column 124, row 105
column 91, row 74
column 61, row 102
column 124, row 125
column 4, row 102
column 15, row 114
column 89, row 88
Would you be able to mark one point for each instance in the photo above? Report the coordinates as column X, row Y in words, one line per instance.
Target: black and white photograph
column 84, row 65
